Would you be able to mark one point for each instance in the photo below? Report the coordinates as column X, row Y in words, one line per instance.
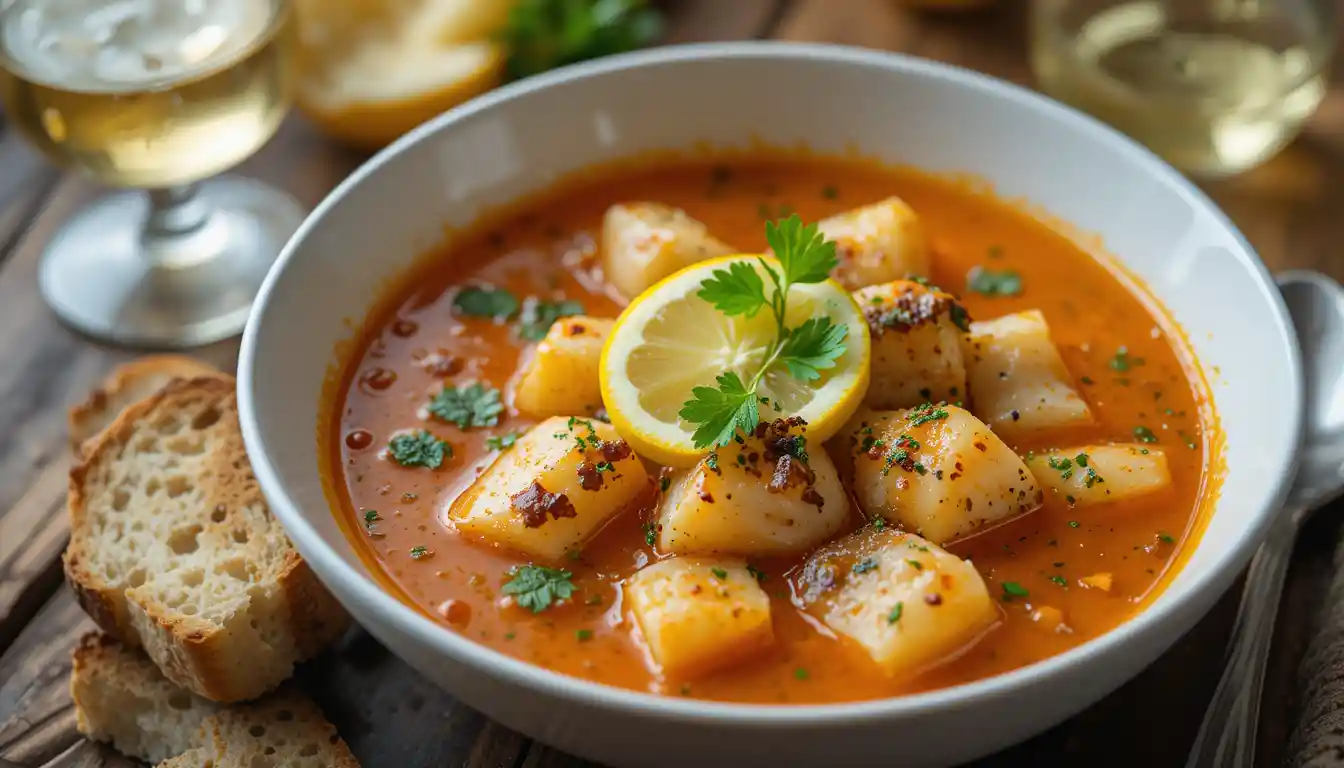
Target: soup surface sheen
column 1124, row 358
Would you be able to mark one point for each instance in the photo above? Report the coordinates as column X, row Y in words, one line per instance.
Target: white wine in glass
column 156, row 96
column 1214, row 86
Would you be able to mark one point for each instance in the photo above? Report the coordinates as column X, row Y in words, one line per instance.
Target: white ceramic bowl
column 519, row 138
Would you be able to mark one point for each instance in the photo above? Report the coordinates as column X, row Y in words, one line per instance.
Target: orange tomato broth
column 543, row 246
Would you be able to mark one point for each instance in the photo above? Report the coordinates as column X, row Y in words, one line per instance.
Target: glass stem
column 176, row 215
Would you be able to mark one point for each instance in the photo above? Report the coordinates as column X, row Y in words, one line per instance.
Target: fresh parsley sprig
column 802, row 256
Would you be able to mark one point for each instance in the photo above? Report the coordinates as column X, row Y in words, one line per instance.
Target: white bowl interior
column 521, row 139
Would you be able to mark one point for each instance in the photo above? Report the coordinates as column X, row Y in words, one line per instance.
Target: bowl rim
column 351, row 585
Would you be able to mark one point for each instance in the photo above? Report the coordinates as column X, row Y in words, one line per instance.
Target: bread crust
column 284, row 615
column 124, row 385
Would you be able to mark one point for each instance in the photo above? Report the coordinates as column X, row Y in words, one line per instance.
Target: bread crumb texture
column 174, row 549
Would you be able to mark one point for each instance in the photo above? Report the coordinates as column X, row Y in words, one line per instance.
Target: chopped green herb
column 419, row 553
column 1087, row 380
column 1065, row 466
column 996, row 252
column 474, row 301
column 538, row 316
column 1166, row 538
column 990, row 283
column 712, row 461
column 830, row 192
column 1069, row 498
column 574, row 554
column 500, row 442
column 895, row 614
column 879, row 523
column 419, row 449
column 583, row 635
column 592, row 600
column 1080, row 459
column 960, row 318
column 472, row 406
column 1123, row 361
column 1189, row 441
column 1144, row 435
column 800, row 674
column 925, row 413
column 918, row 566
column 865, row 566
column 1012, row 589
column 371, row 517
column 536, row 587
column 756, row 573
column 1074, row 524
column 1060, row 580
column 719, row 573
column 650, row 533
column 664, row 483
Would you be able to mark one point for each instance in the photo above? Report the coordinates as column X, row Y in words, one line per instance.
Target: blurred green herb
column 545, row 34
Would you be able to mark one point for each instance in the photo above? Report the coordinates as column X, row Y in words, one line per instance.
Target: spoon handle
column 1226, row 738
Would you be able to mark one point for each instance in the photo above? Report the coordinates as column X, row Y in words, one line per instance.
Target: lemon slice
column 371, row 70
column 669, row 340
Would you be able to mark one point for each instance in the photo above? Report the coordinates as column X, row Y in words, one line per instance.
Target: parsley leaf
column 1012, row 589
column 536, row 587
column 473, row 406
column 538, row 316
column 812, row 348
column 802, row 256
column 737, row 290
column 474, row 301
column 719, row 413
column 895, row 614
column 991, row 283
column 420, row 553
column 419, row 449
column 805, row 255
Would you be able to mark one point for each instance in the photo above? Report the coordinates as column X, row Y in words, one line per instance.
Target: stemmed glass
column 156, row 97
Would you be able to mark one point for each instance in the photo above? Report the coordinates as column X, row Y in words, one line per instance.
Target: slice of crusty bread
column 173, row 548
column 122, row 698
column 126, row 384
column 284, row 730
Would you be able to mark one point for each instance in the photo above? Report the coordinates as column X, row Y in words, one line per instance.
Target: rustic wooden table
column 1292, row 210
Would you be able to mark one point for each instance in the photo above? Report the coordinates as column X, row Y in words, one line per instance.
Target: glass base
column 104, row 275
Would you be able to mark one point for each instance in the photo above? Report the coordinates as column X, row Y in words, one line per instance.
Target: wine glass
column 156, row 97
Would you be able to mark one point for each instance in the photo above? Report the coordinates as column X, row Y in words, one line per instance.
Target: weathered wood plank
column 37, row 721
column 32, row 536
column 24, row 184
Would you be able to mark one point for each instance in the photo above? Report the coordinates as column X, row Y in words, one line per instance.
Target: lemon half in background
column 371, row 70
column 669, row 340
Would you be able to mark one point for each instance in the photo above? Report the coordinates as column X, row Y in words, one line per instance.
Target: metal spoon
column 1227, row 736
